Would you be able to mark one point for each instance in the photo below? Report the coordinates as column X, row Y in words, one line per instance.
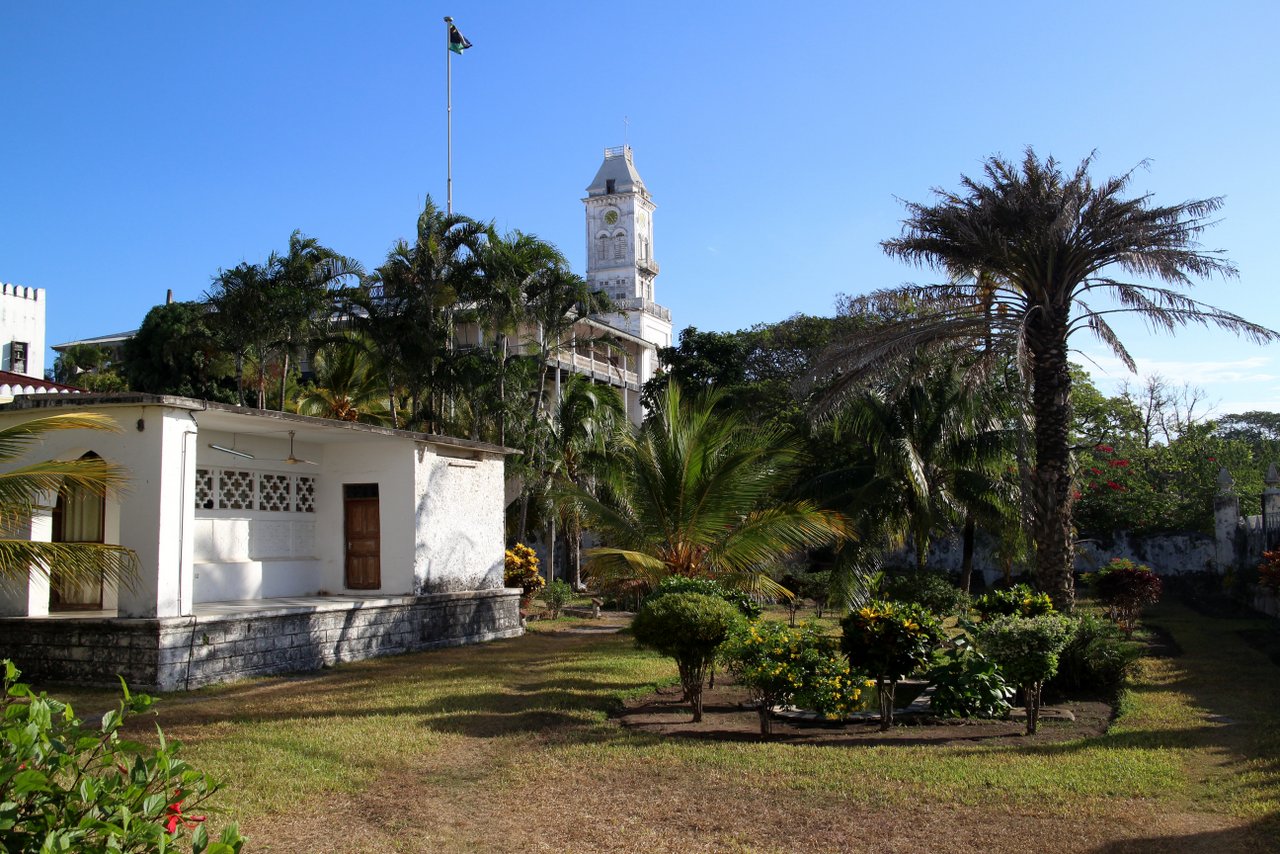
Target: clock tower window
column 610, row 185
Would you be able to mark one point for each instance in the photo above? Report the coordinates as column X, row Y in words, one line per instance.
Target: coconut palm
column 346, row 386
column 24, row 489
column 406, row 309
column 698, row 493
column 935, row 448
column 1043, row 244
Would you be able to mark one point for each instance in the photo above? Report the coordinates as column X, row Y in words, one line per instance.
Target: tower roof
column 618, row 168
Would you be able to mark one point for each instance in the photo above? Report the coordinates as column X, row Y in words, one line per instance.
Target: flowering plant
column 1269, row 571
column 65, row 786
column 784, row 665
column 1124, row 587
column 889, row 640
column 521, row 569
column 1016, row 601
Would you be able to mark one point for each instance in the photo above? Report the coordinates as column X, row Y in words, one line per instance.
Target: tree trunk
column 1051, row 474
column 966, row 551
column 766, row 720
column 240, row 379
column 284, row 377
column 886, row 689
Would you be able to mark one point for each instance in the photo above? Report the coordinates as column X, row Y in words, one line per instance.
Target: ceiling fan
column 295, row 460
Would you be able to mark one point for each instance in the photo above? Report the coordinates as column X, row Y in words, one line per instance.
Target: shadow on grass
column 1259, row 836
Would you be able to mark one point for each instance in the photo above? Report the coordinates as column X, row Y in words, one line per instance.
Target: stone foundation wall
column 175, row 654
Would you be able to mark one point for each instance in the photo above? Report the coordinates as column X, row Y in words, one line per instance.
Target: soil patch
column 727, row 717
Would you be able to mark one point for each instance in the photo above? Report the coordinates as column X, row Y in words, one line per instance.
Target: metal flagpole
column 448, row 77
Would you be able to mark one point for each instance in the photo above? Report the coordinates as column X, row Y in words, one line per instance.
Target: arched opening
column 79, row 516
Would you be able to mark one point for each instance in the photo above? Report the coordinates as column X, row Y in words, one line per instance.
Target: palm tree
column 346, row 387
column 25, row 489
column 406, row 309
column 698, row 493
column 580, row 431
column 1042, row 243
column 935, row 447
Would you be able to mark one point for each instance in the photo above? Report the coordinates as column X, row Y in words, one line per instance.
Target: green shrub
column 1026, row 650
column 557, row 595
column 688, row 627
column 1125, row 587
column 1016, row 601
column 68, row 787
column 1097, row 659
column 749, row 607
column 967, row 684
column 889, row 640
column 784, row 665
column 932, row 591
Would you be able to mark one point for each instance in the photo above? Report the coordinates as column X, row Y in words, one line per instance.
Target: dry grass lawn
column 509, row 747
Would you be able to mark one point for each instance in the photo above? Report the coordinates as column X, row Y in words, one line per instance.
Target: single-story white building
column 267, row 542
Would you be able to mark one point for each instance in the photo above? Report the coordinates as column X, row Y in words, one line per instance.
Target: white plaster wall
column 251, row 553
column 459, row 510
column 22, row 319
column 388, row 462
column 153, row 516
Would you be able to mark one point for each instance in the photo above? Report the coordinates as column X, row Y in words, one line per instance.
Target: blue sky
column 147, row 144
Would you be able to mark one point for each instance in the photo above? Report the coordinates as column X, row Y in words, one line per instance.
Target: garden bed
column 727, row 716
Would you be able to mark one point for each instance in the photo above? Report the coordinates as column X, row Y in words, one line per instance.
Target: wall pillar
column 29, row 597
column 1271, row 508
column 1226, row 522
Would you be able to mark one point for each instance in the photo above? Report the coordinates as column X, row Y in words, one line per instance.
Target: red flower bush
column 1125, row 587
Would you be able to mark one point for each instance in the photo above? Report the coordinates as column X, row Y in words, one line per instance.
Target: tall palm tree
column 580, row 432
column 698, row 493
column 1043, row 244
column 406, row 309
column 26, row 488
column 305, row 281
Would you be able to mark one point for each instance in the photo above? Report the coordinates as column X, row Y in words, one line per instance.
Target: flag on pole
column 457, row 41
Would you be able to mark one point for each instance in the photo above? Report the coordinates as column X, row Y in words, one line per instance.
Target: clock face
column 611, row 217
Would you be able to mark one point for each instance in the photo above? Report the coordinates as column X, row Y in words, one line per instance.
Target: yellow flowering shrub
column 521, row 569
column 792, row 666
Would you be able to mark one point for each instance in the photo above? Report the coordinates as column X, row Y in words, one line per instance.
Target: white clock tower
column 620, row 251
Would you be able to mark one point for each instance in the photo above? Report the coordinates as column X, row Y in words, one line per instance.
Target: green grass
column 509, row 745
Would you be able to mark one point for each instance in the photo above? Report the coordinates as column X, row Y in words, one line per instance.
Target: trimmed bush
column 748, row 607
column 932, row 591
column 688, row 627
column 889, row 640
column 784, row 665
column 1097, row 659
column 557, row 595
column 1026, row 649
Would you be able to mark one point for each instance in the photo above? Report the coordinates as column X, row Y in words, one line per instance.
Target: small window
column 360, row 490
column 610, row 185
column 18, row 357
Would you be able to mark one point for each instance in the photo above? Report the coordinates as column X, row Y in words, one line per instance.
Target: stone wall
column 180, row 653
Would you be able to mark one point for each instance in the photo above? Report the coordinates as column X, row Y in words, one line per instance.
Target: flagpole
column 448, row 77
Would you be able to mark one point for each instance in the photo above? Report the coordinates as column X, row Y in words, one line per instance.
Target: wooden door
column 78, row 517
column 363, row 536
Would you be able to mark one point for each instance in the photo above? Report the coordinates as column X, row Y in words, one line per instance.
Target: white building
column 22, row 330
column 620, row 256
column 266, row 542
